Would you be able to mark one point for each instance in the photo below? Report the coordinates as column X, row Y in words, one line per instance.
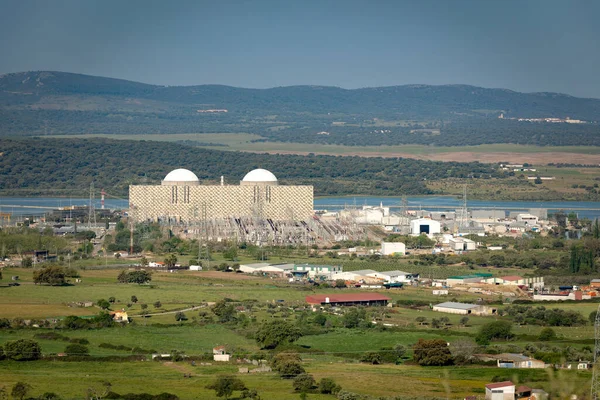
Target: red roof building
column 498, row 385
column 349, row 299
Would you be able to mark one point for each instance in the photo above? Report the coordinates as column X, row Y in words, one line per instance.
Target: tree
column 179, row 316
column 52, row 275
column 170, row 260
column 225, row 385
column 134, row 299
column 22, row 350
column 320, row 319
column 354, row 317
column 140, row 277
column 144, row 262
column 328, row 386
column 77, row 349
column 432, row 352
column 304, row 383
column 157, row 304
column 464, row 321
column 20, row 390
column 273, row 333
column 547, row 334
column 144, row 306
column 103, row 304
column 494, row 330
column 340, row 283
column 421, row 320
column 112, row 299
column 288, row 365
column 231, row 253
column 224, row 310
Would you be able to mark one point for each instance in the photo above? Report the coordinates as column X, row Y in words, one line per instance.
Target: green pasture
column 375, row 380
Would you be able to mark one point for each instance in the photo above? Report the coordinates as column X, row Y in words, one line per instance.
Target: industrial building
column 466, row 279
column 180, row 198
column 425, row 225
column 348, row 299
column 532, row 283
column 395, row 276
column 462, row 244
column 463, row 308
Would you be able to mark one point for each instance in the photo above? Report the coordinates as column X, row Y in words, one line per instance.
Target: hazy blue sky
column 536, row 45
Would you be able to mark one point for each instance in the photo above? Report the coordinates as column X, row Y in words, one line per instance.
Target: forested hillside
column 33, row 103
column 43, row 166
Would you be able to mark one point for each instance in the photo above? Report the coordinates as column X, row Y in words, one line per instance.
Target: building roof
column 346, row 297
column 458, row 306
column 595, row 280
column 256, row 265
column 512, row 278
column 363, row 272
column 259, row 175
column 181, row 175
column 392, row 273
column 523, row 389
column 499, row 385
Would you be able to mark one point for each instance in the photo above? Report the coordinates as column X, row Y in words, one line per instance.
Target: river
column 588, row 209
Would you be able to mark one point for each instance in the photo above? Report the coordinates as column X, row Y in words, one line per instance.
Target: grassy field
column 332, row 353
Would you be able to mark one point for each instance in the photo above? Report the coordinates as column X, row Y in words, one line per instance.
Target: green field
column 332, row 353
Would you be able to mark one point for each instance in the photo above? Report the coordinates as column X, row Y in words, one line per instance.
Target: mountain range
column 38, row 102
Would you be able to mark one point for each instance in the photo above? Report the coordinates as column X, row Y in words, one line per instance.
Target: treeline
column 35, row 167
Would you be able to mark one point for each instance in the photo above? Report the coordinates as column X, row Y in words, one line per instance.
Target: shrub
column 304, row 383
column 328, row 386
column 77, row 350
column 23, row 350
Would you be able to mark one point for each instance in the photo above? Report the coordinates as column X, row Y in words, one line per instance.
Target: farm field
column 334, row 352
column 489, row 153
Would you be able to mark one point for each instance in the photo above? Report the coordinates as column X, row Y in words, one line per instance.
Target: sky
column 523, row 45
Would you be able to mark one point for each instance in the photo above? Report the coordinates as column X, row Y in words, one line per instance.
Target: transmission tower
column 596, row 370
column 91, row 208
column 463, row 219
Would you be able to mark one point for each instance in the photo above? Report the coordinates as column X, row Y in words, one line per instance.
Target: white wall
column 389, row 248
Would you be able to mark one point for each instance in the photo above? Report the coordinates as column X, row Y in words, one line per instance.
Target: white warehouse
column 425, row 225
column 391, row 248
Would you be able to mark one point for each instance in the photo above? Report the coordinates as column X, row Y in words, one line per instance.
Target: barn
column 348, row 299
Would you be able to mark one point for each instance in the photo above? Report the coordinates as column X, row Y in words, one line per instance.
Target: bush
column 328, row 386
column 432, row 352
column 547, row 334
column 287, row 365
column 494, row 330
column 77, row 350
column 304, row 383
column 23, row 350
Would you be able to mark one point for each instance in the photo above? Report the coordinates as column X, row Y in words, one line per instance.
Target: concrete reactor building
column 180, row 198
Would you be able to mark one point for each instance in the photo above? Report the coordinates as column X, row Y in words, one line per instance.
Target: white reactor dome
column 181, row 176
column 260, row 175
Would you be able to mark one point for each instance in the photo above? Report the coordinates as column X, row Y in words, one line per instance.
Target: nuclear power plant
column 181, row 199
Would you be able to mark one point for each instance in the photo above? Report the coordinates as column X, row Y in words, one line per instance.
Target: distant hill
column 33, row 103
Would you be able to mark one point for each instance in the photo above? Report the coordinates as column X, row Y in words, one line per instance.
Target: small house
column 595, row 284
column 500, row 391
column 120, row 316
column 220, row 354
